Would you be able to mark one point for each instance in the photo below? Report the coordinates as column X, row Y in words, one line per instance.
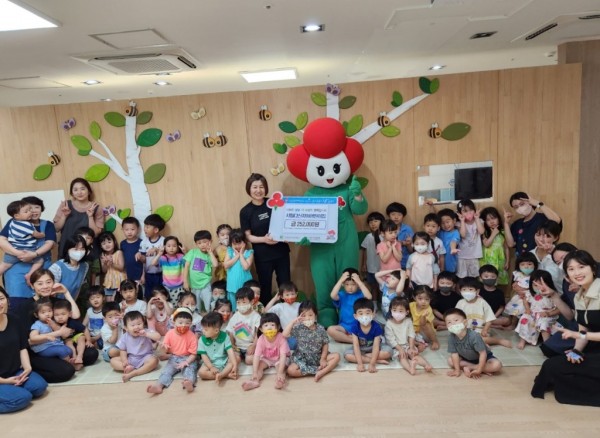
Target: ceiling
column 362, row 41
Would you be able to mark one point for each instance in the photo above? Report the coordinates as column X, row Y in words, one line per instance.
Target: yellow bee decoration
column 434, row 131
column 198, row 114
column 208, row 141
column 220, row 139
column 278, row 170
column 264, row 114
column 383, row 120
column 53, row 159
column 131, row 110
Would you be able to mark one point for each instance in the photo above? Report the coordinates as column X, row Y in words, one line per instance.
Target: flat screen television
column 474, row 183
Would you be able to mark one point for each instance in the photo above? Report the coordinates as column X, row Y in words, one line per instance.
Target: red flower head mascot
column 326, row 160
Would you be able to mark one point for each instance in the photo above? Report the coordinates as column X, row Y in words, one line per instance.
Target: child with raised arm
column 366, row 339
column 238, row 261
column 287, row 310
column 200, row 263
column 468, row 352
column 471, row 229
column 369, row 258
column 344, row 294
column 223, row 232
column 158, row 310
column 218, row 359
column 256, row 304
column 112, row 263
column 272, row 350
column 396, row 212
column 390, row 249
column 391, row 283
column 45, row 341
column 218, row 290
column 130, row 302
column 182, row 345
column 431, row 225
column 311, row 357
column 136, row 356
column 243, row 326
column 400, row 335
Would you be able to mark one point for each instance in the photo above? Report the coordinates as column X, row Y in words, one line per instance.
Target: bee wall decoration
column 435, row 131
column 131, row 110
column 53, row 159
column 220, row 139
column 208, row 141
column 383, row 120
column 264, row 114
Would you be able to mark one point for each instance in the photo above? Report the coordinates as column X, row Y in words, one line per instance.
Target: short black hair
column 109, row 307
column 15, row 207
column 491, row 269
column 288, row 286
column 583, row 258
column 34, row 200
column 399, row 301
column 95, row 290
column 526, row 257
column 308, row 305
column 422, row 289
column 244, row 292
column 201, row 235
column 87, row 231
column 432, row 217
column 131, row 220
column 517, row 196
column 219, row 284
column 270, row 317
column 154, row 220
column 252, row 283
column 447, row 212
column 128, row 285
column 470, row 282
column 237, row 236
column 465, row 203
column 363, row 303
column 552, row 228
column 350, row 271
column 212, row 319
column 183, row 315
column 447, row 275
column 389, row 225
column 395, row 207
column 132, row 316
column 454, row 311
column 62, row 304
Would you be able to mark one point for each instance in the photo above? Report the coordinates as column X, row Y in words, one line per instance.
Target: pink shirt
column 181, row 345
column 392, row 263
column 272, row 350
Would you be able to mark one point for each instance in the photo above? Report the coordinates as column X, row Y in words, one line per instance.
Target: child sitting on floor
column 214, row 346
column 243, row 325
column 445, row 298
column 391, row 283
column 422, row 316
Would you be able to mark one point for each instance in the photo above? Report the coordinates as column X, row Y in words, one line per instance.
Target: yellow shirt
column 416, row 316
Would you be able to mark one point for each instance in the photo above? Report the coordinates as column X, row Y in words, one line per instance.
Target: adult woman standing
column 269, row 256
column 78, row 212
column 575, row 377
column 18, row 383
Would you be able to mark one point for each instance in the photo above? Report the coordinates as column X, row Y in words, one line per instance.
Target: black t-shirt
column 524, row 232
column 257, row 219
column 494, row 298
column 12, row 341
column 441, row 303
column 76, row 326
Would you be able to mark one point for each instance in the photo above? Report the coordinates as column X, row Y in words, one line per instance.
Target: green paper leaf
column 97, row 172
column 397, row 99
column 95, row 130
column 155, row 173
column 354, row 125
column 292, row 140
column 165, row 211
column 362, row 181
column 301, row 120
column 319, row 99
column 390, row 131
column 143, row 117
column 149, row 137
column 434, row 86
column 110, row 224
column 347, row 102
column 280, row 148
column 424, row 84
column 456, row 131
column 115, row 119
column 42, row 172
column 126, row 212
column 83, row 145
column 287, row 127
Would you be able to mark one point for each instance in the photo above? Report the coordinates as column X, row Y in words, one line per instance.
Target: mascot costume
column 327, row 159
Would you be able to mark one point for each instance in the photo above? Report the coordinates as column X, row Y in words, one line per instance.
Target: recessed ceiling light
column 482, row 35
column 312, row 28
column 163, row 74
column 92, row 82
column 162, row 83
column 281, row 74
column 106, row 99
column 437, row 67
column 19, row 17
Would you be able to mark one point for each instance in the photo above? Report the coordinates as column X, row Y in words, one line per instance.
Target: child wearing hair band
column 238, row 261
column 400, row 335
column 421, row 267
column 223, row 232
column 471, row 229
column 188, row 299
column 311, row 356
column 170, row 259
column 389, row 250
column 112, row 263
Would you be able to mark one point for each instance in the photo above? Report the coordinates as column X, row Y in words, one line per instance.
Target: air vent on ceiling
column 142, row 63
column 590, row 17
column 482, row 35
column 538, row 32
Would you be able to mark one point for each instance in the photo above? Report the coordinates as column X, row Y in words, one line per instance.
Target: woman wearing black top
column 269, row 256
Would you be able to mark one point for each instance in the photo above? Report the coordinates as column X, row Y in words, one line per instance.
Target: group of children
column 444, row 277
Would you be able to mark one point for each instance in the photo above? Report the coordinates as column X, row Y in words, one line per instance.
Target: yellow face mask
column 270, row 333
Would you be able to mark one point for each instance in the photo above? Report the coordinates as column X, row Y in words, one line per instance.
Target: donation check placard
column 296, row 217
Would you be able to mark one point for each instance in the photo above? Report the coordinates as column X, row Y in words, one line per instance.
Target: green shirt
column 215, row 349
column 200, row 272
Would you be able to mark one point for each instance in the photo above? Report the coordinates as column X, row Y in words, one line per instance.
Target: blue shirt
column 366, row 340
column 447, row 238
column 405, row 232
column 133, row 268
column 345, row 306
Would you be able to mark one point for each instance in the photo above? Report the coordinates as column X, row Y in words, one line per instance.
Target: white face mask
column 455, row 329
column 469, row 296
column 398, row 316
column 365, row 319
column 524, row 210
column 243, row 308
column 224, row 241
column 76, row 254
column 308, row 322
column 420, row 248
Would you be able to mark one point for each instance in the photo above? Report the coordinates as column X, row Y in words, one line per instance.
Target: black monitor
column 474, row 183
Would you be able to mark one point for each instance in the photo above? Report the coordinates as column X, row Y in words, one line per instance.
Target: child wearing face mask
column 238, row 261
column 421, row 266
column 488, row 275
column 223, row 307
column 243, row 325
column 468, row 351
column 70, row 270
column 526, row 263
column 478, row 312
column 541, row 313
column 287, row 310
column 218, row 290
column 445, row 298
column 400, row 335
column 471, row 229
column 182, row 345
column 311, row 357
column 223, row 232
column 272, row 350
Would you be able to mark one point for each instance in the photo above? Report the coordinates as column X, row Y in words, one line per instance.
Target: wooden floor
column 345, row 404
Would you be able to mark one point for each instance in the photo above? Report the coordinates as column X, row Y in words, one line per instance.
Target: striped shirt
column 172, row 270
column 20, row 235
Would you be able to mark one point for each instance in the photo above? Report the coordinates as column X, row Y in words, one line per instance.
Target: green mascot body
column 327, row 159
